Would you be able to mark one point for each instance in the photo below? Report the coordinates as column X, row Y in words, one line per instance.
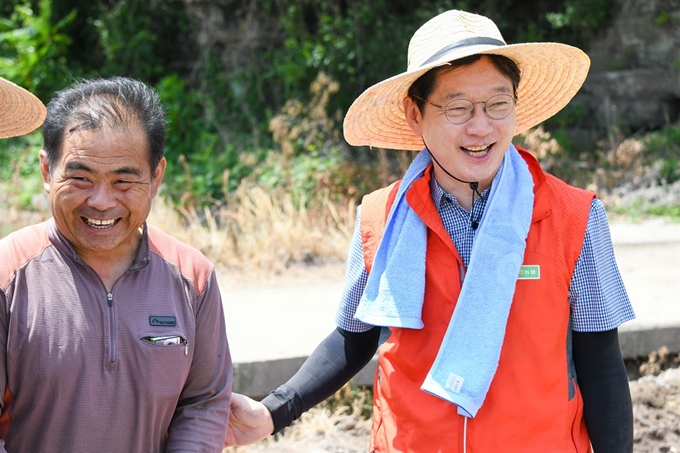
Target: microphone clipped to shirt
column 474, row 185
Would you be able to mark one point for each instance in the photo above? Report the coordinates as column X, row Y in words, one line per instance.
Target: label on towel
column 530, row 272
column 454, row 383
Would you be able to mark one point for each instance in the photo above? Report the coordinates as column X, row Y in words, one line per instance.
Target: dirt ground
column 655, row 391
column 656, row 403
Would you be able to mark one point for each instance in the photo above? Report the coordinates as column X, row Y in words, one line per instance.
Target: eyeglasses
column 459, row 111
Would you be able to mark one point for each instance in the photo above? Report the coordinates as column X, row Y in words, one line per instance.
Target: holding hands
column 249, row 421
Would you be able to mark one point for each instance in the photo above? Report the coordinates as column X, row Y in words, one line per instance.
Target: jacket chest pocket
column 163, row 360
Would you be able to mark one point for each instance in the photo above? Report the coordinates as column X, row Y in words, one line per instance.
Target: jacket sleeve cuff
column 285, row 406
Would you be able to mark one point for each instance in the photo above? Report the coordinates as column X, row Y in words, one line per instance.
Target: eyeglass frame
column 471, row 112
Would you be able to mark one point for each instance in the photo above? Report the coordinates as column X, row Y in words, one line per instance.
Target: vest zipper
column 112, row 329
column 465, row 422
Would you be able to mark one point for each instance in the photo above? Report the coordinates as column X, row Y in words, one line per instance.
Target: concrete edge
column 640, row 342
column 257, row 379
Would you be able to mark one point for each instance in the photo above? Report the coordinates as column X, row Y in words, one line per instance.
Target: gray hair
column 116, row 102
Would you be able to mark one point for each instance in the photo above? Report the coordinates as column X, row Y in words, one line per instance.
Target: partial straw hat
column 551, row 74
column 20, row 111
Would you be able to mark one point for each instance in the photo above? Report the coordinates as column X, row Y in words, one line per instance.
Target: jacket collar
column 542, row 207
column 64, row 246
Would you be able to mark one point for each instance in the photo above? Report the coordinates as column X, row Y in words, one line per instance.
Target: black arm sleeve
column 602, row 378
column 333, row 363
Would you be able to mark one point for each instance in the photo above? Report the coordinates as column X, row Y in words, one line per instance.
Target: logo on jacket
column 162, row 321
column 530, row 272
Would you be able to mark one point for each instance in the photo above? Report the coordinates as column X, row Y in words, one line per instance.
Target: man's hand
column 249, row 421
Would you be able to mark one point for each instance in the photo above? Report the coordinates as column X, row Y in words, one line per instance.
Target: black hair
column 116, row 102
column 421, row 89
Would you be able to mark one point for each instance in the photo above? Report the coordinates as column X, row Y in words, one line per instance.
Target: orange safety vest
column 533, row 403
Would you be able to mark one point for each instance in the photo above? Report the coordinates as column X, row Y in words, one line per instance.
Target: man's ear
column 158, row 176
column 413, row 116
column 45, row 170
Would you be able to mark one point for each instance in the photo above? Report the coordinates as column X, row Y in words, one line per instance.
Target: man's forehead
column 107, row 150
column 89, row 132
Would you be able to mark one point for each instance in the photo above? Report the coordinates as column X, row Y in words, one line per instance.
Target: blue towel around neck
column 468, row 355
column 396, row 285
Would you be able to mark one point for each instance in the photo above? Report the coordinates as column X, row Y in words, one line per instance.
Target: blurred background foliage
column 256, row 97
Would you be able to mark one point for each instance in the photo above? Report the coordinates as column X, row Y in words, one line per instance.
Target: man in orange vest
column 488, row 287
column 20, row 111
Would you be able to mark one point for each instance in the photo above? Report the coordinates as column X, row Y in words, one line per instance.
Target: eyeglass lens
column 497, row 107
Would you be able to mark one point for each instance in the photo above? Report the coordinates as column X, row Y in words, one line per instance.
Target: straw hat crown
column 20, row 111
column 551, row 74
column 436, row 36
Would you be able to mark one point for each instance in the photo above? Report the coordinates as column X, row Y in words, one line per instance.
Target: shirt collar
column 438, row 194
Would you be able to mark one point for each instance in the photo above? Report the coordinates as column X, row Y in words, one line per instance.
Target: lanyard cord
column 474, row 185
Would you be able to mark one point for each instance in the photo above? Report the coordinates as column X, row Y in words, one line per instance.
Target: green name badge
column 530, row 272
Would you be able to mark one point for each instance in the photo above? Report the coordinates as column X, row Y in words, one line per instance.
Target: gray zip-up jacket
column 85, row 370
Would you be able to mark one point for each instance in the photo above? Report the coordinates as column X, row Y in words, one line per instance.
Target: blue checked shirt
column 597, row 296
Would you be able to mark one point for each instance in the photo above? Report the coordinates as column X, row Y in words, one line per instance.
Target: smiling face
column 101, row 189
column 474, row 150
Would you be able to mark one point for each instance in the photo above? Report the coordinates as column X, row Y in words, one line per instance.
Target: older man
column 112, row 335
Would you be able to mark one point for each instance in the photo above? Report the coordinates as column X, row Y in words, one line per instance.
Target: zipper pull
column 186, row 347
column 109, row 297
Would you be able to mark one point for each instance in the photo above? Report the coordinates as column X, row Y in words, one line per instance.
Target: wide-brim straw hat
column 20, row 111
column 551, row 74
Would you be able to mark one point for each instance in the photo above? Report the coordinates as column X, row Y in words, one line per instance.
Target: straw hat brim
column 20, row 111
column 551, row 74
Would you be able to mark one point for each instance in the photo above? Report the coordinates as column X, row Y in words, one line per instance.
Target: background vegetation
column 255, row 98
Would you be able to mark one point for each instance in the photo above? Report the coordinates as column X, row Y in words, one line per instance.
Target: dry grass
column 259, row 230
column 318, row 430
column 339, row 424
column 12, row 219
